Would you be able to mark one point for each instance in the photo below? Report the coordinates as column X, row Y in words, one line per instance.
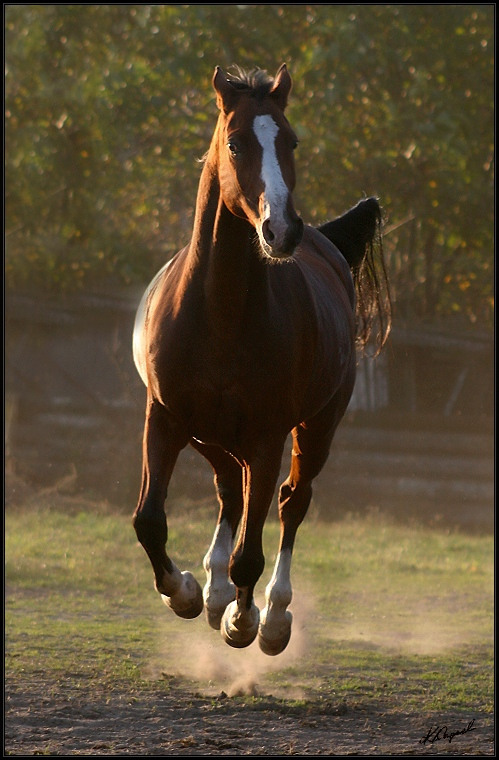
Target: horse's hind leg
column 219, row 590
column 161, row 446
column 311, row 444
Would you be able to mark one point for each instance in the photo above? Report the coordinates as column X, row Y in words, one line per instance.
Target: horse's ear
column 226, row 93
column 282, row 86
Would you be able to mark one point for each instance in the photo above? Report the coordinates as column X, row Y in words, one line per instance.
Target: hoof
column 239, row 630
column 215, row 603
column 279, row 640
column 187, row 602
column 214, row 617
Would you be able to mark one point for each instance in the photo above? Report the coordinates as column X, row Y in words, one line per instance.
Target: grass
column 400, row 615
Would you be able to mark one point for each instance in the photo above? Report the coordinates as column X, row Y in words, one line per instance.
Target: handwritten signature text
column 438, row 733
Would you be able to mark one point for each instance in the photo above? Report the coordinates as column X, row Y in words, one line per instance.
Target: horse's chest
column 213, row 411
column 218, row 415
column 212, row 390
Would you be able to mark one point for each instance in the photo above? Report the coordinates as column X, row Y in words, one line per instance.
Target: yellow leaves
column 432, row 184
column 462, row 281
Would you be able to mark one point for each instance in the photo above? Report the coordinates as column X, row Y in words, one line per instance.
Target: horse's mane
column 255, row 82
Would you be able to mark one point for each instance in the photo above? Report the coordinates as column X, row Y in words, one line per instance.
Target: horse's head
column 255, row 157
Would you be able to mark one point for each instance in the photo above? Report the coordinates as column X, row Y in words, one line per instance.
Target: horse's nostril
column 267, row 232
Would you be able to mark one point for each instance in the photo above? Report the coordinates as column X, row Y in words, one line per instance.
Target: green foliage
column 109, row 108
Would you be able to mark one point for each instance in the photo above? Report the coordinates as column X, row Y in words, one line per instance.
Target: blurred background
column 109, row 109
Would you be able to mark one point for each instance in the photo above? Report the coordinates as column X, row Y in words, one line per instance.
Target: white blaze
column 275, row 190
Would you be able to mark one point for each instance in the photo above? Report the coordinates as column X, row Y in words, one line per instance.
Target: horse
column 248, row 334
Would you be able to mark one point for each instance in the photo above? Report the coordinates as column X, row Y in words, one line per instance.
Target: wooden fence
column 74, row 405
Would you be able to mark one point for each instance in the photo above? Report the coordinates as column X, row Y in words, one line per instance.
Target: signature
column 441, row 732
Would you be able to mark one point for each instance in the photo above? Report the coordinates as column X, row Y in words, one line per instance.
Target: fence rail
column 75, row 404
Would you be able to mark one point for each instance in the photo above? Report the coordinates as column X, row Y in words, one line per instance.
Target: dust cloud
column 198, row 654
column 418, row 638
column 421, row 627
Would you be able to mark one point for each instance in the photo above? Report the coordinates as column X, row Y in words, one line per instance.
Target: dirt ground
column 75, row 716
column 169, row 719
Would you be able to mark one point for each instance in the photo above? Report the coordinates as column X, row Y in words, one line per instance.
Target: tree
column 109, row 109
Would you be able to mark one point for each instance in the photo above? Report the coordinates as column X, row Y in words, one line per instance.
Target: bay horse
column 246, row 335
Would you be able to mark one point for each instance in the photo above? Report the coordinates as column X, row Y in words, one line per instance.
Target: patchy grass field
column 392, row 634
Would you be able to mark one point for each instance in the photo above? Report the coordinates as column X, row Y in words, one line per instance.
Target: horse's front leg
column 161, row 446
column 239, row 625
column 219, row 590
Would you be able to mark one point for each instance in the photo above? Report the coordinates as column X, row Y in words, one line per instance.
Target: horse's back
column 330, row 292
column 316, row 305
column 142, row 317
column 318, row 254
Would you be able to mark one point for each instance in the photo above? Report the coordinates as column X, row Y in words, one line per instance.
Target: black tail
column 357, row 234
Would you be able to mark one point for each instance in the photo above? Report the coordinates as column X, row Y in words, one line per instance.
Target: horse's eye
column 295, row 144
column 234, row 148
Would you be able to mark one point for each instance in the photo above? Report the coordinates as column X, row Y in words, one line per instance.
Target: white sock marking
column 218, row 590
column 278, row 592
column 218, row 555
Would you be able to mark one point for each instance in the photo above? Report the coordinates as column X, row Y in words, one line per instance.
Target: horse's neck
column 222, row 249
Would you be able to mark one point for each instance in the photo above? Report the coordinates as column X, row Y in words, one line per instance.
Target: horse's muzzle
column 282, row 246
